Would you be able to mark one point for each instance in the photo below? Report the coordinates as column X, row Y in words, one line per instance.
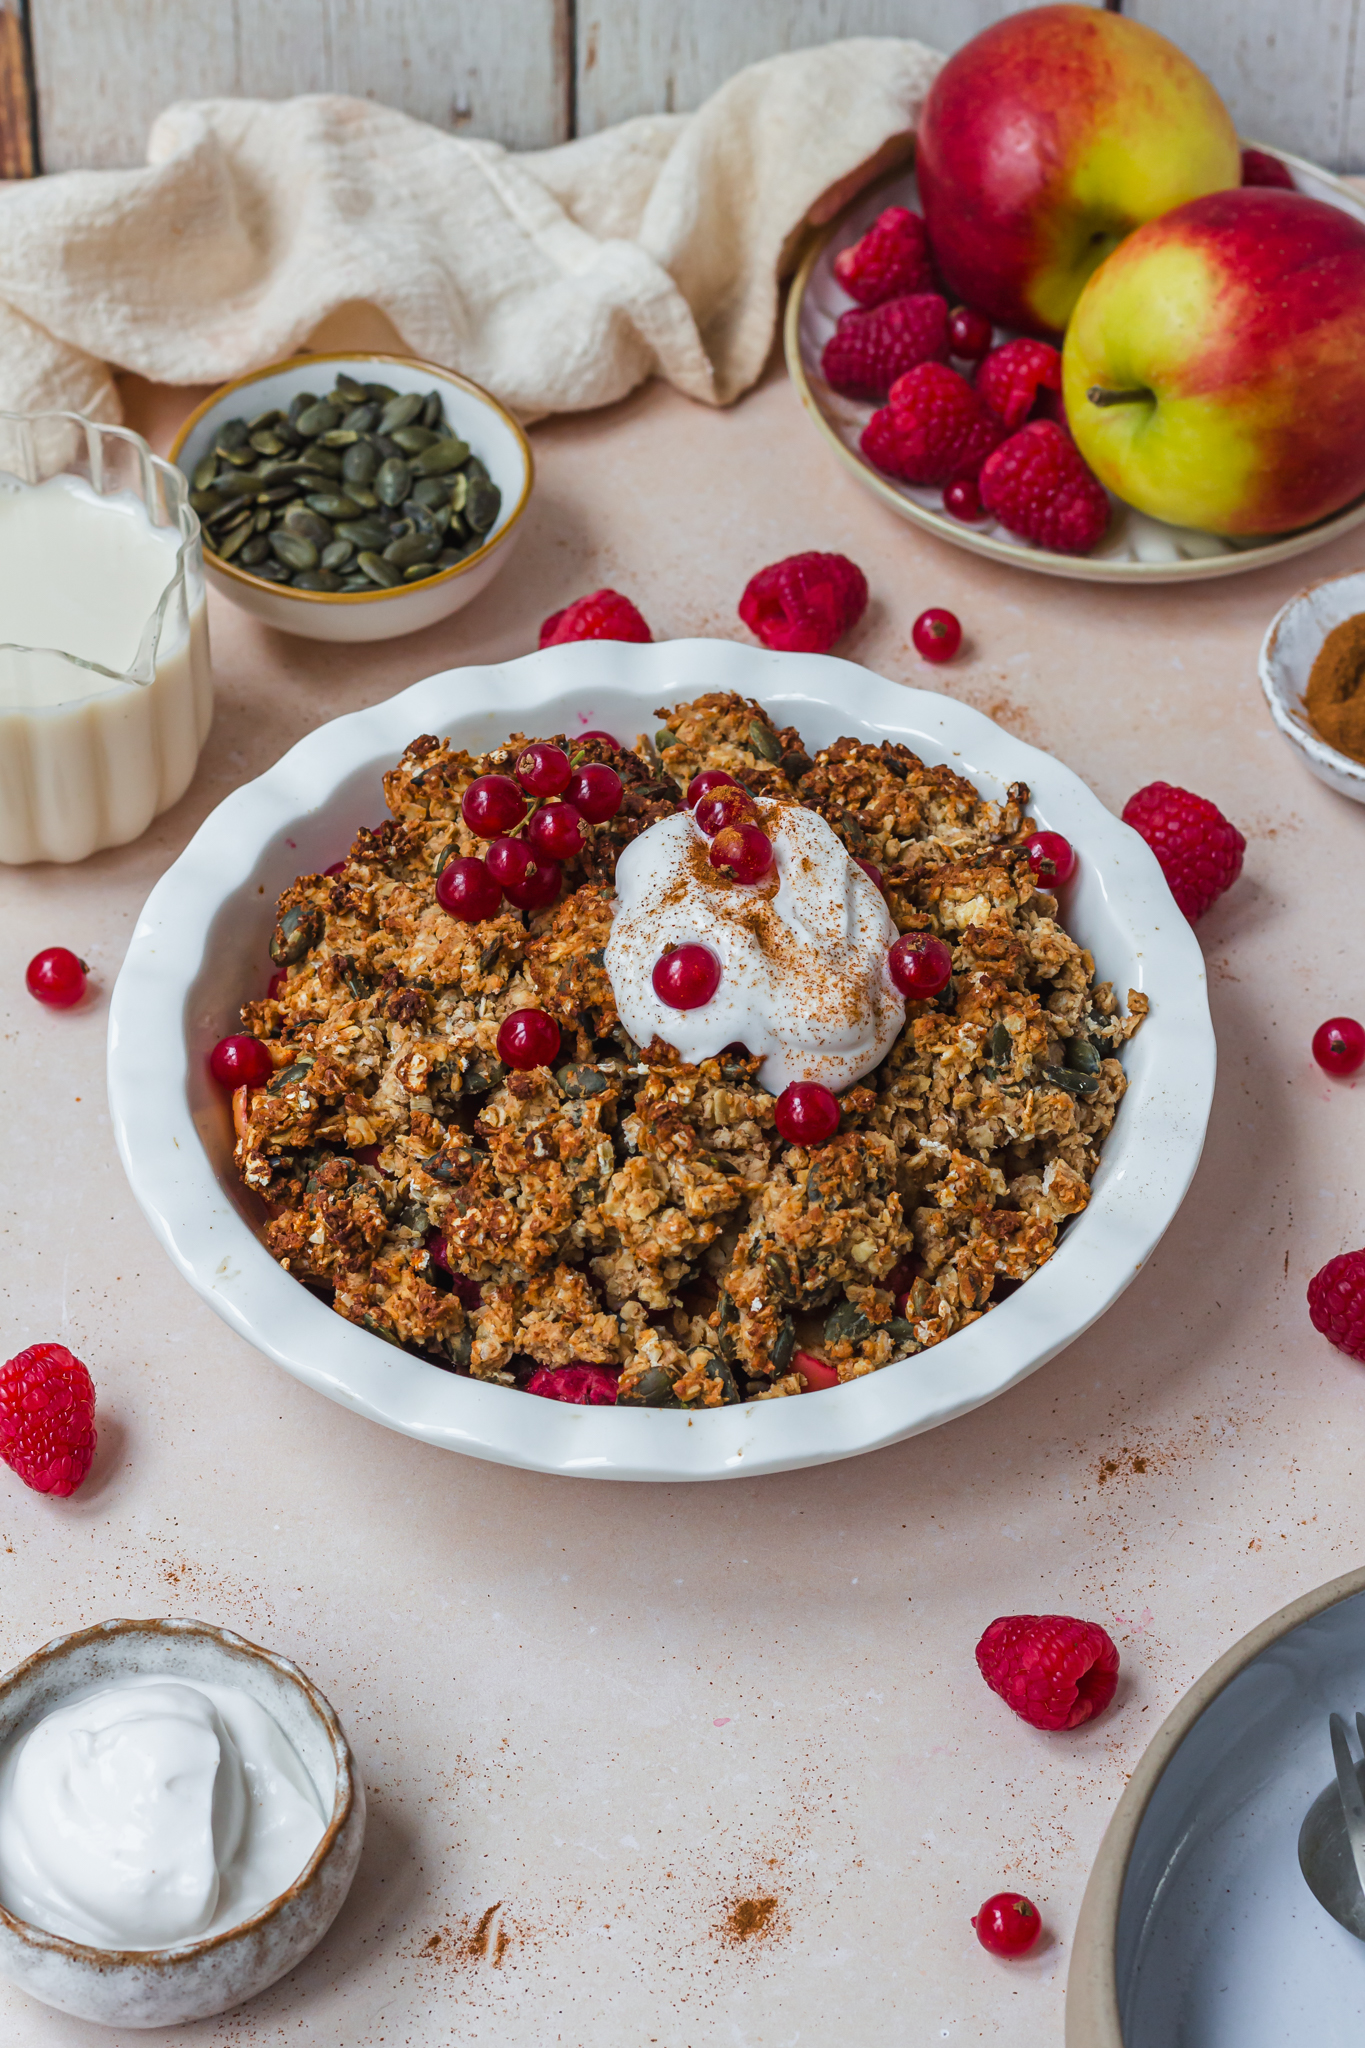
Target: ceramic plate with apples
column 1090, row 333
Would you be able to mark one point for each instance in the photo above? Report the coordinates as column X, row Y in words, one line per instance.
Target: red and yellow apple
column 1047, row 139
column 1214, row 368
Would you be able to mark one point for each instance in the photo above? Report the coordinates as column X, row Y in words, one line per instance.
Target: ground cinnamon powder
column 1335, row 698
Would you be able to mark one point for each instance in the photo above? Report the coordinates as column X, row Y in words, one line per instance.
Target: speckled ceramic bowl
column 1288, row 652
column 166, row 1987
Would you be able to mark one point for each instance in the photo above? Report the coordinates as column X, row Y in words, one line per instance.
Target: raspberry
column 591, row 1386
column 1022, row 381
column 891, row 258
column 804, row 604
column 1260, row 168
column 602, row 615
column 47, row 1418
column 934, row 428
column 1199, row 850
column 1054, row 1672
column 874, row 345
column 1336, row 1303
column 1037, row 484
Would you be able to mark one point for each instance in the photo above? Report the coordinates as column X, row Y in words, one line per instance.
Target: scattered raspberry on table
column 602, row 615
column 804, row 604
column 1038, row 484
column 1008, row 1924
column 1054, row 1671
column 1199, row 850
column 933, row 428
column 47, row 1418
column 873, row 345
column 1022, row 380
column 1336, row 1303
column 890, row 259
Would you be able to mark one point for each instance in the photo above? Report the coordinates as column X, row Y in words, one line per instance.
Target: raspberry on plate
column 891, row 258
column 589, row 1386
column 602, row 615
column 873, row 345
column 47, row 1418
column 1038, row 485
column 1200, row 851
column 1022, row 380
column 933, row 429
column 1054, row 1671
column 1336, row 1303
column 803, row 604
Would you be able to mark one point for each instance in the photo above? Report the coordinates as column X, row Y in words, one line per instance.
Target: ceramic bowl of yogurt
column 180, row 1821
column 471, row 413
column 106, row 693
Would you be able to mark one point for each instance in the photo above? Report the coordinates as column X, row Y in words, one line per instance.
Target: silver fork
column 1332, row 1838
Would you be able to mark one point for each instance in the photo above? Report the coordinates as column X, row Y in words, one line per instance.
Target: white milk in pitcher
column 90, row 754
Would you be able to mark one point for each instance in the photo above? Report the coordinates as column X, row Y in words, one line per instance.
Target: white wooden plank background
column 530, row 72
column 106, row 68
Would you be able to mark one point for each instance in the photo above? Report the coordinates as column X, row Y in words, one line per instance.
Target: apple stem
column 1099, row 396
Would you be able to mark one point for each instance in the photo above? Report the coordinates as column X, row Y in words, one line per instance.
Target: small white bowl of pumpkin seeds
column 354, row 497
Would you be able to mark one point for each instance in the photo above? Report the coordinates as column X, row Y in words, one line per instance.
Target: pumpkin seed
column 393, row 481
column 1083, row 1056
column 228, row 544
column 432, row 409
column 459, row 491
column 415, row 547
column 317, row 579
column 760, row 739
column 266, row 443
column 348, row 388
column 378, row 570
column 206, row 501
column 420, row 518
column 296, row 931
column 380, row 393
column 316, row 419
column 652, row 1388
column 333, row 505
column 204, row 472
column 445, row 454
column 364, row 533
column 482, row 504
column 263, row 420
column 400, row 411
column 336, row 554
column 306, row 525
column 1069, row 1083
column 412, row 440
column 293, row 550
column 351, row 584
column 361, row 419
column 430, row 491
column 477, row 468
column 232, row 436
column 256, row 550
column 261, row 520
column 664, row 738
column 1000, row 1047
column 272, row 572
column 366, row 499
column 325, row 461
column 300, row 403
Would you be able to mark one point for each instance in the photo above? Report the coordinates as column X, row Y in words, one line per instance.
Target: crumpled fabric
column 559, row 279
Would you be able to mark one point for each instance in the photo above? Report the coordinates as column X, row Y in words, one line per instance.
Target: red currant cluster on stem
column 534, row 820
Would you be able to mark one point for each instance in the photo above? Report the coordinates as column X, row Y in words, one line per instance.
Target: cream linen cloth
column 558, row 278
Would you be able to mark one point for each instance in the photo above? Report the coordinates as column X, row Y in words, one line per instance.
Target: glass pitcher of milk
column 106, row 692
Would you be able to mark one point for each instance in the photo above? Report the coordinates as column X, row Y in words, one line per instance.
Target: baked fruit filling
column 625, row 1209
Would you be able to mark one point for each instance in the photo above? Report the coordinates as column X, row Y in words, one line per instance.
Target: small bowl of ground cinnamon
column 1312, row 670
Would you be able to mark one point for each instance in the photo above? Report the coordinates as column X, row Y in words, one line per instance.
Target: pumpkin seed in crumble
column 631, row 1211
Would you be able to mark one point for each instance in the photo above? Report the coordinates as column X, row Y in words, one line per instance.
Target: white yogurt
column 152, row 1812
column 89, row 754
column 803, row 965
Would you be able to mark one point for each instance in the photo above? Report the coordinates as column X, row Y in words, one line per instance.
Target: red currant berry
column 1052, row 859
column 335, row 868
column 558, row 831
column 541, row 886
column 1008, row 1924
column 814, row 1371
column 733, row 806
column 607, row 739
column 56, row 977
column 687, row 978
column 240, row 1062
column 743, row 852
column 492, row 805
column 702, row 785
column 963, row 500
column 970, row 334
column 278, row 981
column 467, row 890
column 508, row 861
column 806, row 1113
column 873, row 872
column 920, row 965
column 1339, row 1045
column 595, row 791
column 937, row 635
column 543, row 769
column 526, row 1039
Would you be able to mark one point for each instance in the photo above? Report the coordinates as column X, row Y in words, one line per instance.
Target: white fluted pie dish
column 200, row 949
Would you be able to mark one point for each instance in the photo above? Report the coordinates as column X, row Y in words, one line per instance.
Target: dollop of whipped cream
column 804, row 981
column 149, row 1813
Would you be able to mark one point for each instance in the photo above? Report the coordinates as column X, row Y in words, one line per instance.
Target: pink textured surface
column 614, row 1712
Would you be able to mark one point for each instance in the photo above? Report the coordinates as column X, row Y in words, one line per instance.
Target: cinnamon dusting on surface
column 751, row 1919
column 1335, row 697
